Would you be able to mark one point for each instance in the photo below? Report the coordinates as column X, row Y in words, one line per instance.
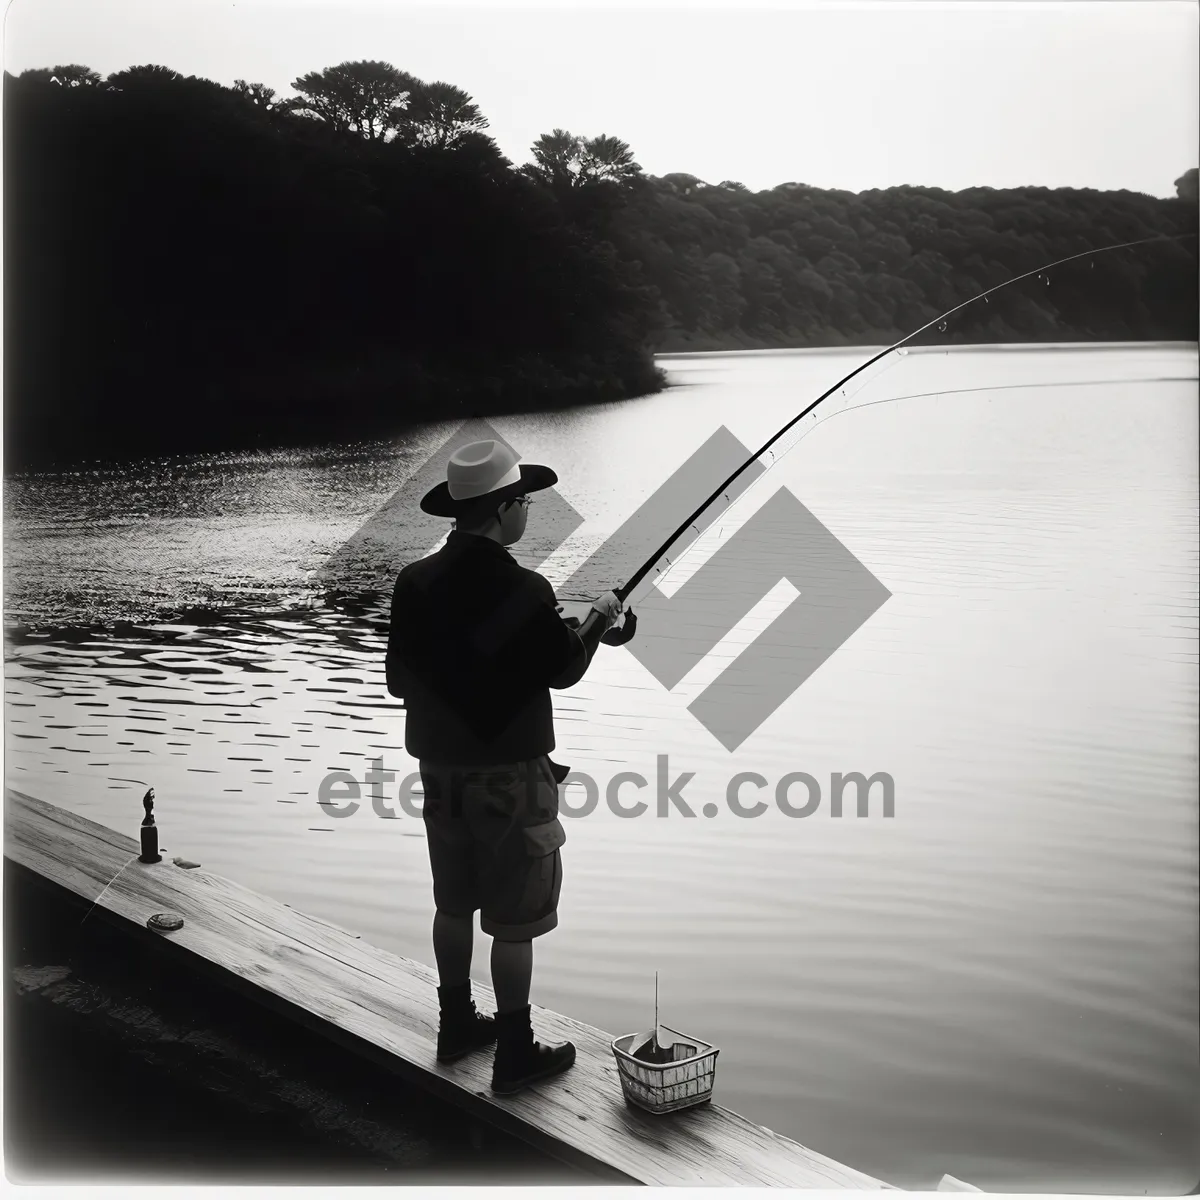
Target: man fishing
column 475, row 644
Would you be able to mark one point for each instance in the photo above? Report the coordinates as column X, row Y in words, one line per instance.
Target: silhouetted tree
column 591, row 178
column 354, row 97
column 607, row 160
column 258, row 94
column 1186, row 187
column 562, row 158
column 556, row 158
column 438, row 114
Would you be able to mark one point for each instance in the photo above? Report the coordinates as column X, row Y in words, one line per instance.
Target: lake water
column 999, row 981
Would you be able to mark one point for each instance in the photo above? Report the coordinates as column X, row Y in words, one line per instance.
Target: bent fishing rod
column 623, row 592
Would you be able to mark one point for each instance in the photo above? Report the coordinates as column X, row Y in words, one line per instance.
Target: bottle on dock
column 149, row 832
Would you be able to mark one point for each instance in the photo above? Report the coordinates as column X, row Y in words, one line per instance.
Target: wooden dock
column 384, row 1008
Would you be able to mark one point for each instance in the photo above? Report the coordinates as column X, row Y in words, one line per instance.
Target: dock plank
column 385, row 1006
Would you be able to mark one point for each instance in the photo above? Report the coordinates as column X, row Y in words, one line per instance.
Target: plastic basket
column 666, row 1087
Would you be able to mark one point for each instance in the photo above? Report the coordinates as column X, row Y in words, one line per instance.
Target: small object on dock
column 679, row 1071
column 665, row 1070
column 165, row 922
column 185, row 863
column 149, row 832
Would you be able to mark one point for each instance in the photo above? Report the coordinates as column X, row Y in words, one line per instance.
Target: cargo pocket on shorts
column 544, row 839
column 543, row 879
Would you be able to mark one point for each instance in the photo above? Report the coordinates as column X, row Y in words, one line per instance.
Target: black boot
column 519, row 1059
column 460, row 1028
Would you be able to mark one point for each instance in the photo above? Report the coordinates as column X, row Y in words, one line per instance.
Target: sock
column 515, row 1026
column 456, row 999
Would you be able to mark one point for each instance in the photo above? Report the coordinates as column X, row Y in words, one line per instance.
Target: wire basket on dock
column 658, row 1087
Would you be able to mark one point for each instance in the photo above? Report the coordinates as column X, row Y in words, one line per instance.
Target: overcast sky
column 848, row 95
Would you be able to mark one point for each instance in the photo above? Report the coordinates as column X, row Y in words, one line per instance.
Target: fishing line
column 846, row 393
column 106, row 887
column 692, row 520
column 997, row 387
column 1000, row 387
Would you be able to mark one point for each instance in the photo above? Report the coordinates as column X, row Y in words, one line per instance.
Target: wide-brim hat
column 488, row 468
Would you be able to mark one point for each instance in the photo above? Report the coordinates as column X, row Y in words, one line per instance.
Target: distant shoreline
column 337, row 406
column 513, row 404
column 969, row 348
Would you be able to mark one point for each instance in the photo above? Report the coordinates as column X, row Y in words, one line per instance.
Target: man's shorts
column 494, row 837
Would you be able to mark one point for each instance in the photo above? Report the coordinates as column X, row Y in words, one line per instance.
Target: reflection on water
column 998, row 982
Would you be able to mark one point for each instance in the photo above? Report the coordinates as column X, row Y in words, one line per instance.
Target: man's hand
column 618, row 635
column 609, row 607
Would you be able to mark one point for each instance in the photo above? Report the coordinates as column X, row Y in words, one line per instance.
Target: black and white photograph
column 602, row 594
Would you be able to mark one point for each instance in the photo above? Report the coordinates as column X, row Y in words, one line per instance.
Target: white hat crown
column 479, row 468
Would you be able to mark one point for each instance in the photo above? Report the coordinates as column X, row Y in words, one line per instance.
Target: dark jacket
column 474, row 646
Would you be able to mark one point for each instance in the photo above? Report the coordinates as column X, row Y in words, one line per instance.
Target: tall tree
column 438, row 114
column 563, row 158
column 258, row 94
column 354, row 97
column 1185, row 185
column 608, row 160
column 556, row 157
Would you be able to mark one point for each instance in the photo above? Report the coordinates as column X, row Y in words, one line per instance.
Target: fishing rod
column 625, row 589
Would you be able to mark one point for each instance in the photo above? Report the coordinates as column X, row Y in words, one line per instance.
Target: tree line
column 192, row 266
column 802, row 266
